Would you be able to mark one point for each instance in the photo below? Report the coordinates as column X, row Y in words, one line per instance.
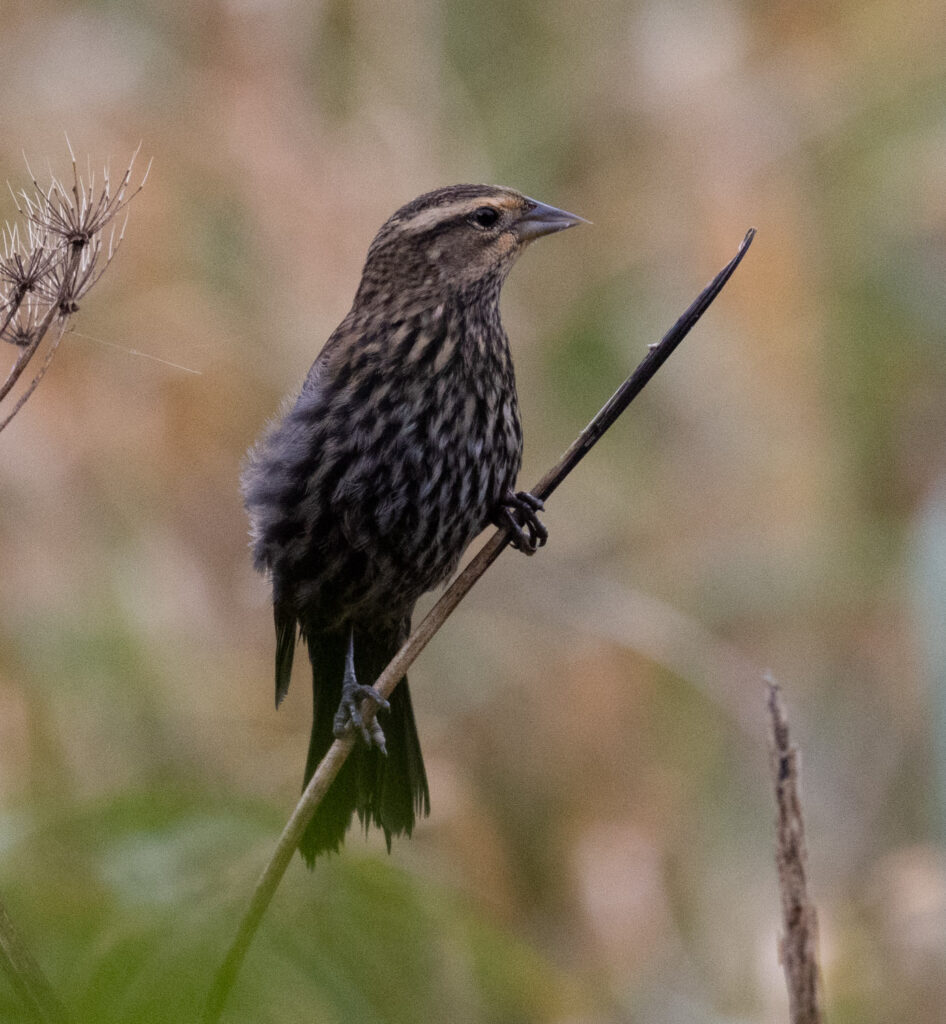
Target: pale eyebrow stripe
column 424, row 219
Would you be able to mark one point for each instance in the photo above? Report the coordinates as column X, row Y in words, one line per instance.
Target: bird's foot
column 350, row 716
column 519, row 512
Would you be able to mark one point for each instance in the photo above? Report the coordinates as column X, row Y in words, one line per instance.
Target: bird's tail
column 386, row 791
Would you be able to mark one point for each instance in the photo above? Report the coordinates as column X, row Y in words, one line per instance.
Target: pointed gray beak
column 544, row 220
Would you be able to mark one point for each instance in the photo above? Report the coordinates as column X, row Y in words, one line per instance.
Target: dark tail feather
column 388, row 792
column 285, row 620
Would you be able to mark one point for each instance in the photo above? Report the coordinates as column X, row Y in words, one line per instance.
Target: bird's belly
column 402, row 518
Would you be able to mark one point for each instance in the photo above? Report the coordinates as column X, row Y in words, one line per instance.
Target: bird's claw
column 349, row 716
column 519, row 512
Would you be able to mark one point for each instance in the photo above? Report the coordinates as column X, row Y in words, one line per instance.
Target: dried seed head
column 21, row 329
column 50, row 262
column 24, row 264
column 71, row 277
column 79, row 213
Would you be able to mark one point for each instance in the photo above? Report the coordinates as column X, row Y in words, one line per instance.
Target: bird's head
column 455, row 238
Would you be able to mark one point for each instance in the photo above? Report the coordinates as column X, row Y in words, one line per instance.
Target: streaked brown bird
column 403, row 444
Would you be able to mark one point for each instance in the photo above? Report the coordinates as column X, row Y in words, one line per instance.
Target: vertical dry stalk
column 798, row 945
column 49, row 262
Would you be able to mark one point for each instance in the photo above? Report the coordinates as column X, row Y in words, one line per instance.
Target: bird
column 402, row 445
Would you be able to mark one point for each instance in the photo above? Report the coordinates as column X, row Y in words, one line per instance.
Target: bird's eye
column 485, row 216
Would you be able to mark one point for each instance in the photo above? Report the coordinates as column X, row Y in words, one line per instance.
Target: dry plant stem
column 39, row 332
column 418, row 640
column 798, row 945
column 34, row 383
column 25, row 976
column 27, row 354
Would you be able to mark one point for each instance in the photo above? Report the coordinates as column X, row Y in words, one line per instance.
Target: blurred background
column 600, row 846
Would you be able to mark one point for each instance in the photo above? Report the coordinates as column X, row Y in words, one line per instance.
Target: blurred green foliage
column 141, row 896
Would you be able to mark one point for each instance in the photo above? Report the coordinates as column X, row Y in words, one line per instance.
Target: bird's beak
column 541, row 220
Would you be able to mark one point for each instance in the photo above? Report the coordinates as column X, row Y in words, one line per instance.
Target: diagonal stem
column 331, row 764
column 34, row 383
column 39, row 332
column 25, row 355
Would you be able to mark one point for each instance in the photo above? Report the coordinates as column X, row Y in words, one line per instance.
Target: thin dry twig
column 798, row 945
column 330, row 765
column 40, row 373
column 49, row 265
column 25, row 976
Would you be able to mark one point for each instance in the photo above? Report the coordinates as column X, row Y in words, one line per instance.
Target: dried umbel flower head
column 79, row 214
column 20, row 329
column 54, row 257
column 25, row 261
